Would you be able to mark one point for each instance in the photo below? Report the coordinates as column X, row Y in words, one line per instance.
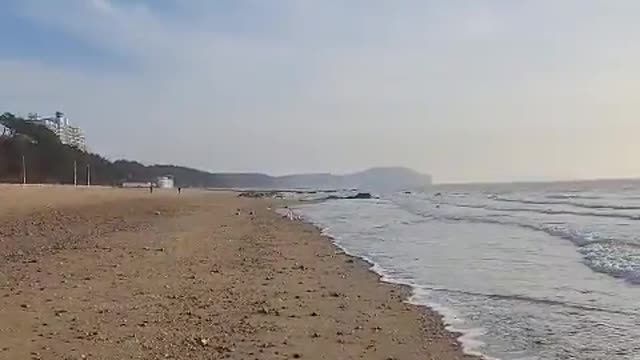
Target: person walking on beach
column 151, row 188
column 179, row 190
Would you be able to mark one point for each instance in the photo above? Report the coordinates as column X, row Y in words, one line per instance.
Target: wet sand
column 122, row 274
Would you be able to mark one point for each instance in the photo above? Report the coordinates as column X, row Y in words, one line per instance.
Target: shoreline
column 406, row 291
column 123, row 274
column 464, row 337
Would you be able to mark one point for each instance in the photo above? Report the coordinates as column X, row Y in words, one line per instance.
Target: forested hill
column 47, row 160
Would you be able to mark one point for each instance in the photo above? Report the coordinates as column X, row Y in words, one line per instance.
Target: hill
column 374, row 179
column 47, row 160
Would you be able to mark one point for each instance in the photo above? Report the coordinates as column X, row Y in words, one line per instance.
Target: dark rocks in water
column 352, row 197
column 260, row 194
column 361, row 196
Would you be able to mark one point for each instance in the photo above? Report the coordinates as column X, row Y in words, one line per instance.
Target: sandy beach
column 124, row 274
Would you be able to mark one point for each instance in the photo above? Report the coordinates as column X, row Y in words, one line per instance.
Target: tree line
column 36, row 150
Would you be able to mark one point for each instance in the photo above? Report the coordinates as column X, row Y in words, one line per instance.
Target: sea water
column 547, row 271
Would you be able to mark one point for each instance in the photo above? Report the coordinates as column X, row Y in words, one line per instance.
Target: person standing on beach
column 179, row 190
column 151, row 188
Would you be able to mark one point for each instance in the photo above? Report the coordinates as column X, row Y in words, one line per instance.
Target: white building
column 59, row 124
column 165, row 182
column 138, row 185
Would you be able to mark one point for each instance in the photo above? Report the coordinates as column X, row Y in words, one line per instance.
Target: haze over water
column 546, row 271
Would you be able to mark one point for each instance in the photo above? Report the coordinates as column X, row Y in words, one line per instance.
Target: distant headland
column 31, row 152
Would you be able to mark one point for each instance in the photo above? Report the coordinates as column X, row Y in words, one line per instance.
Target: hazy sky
column 466, row 90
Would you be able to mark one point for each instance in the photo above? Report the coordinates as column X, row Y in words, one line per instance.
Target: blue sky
column 467, row 90
column 23, row 37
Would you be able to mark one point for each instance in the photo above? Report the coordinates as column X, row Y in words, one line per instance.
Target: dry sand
column 122, row 274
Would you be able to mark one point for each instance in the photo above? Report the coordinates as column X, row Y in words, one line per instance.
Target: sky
column 464, row 90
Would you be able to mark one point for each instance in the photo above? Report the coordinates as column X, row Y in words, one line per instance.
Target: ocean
column 538, row 271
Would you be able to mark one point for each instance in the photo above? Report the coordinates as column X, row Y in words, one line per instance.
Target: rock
column 157, row 212
column 24, row 306
column 361, row 195
column 204, row 342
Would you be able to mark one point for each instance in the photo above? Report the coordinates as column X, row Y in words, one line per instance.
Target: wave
column 554, row 229
column 576, row 237
column 529, row 299
column 573, row 196
column 548, row 211
column 617, row 258
column 568, row 203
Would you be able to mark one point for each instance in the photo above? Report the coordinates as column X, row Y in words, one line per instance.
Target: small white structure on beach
column 134, row 185
column 165, row 182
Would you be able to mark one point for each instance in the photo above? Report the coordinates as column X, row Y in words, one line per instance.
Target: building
column 164, row 182
column 59, row 124
column 138, row 185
